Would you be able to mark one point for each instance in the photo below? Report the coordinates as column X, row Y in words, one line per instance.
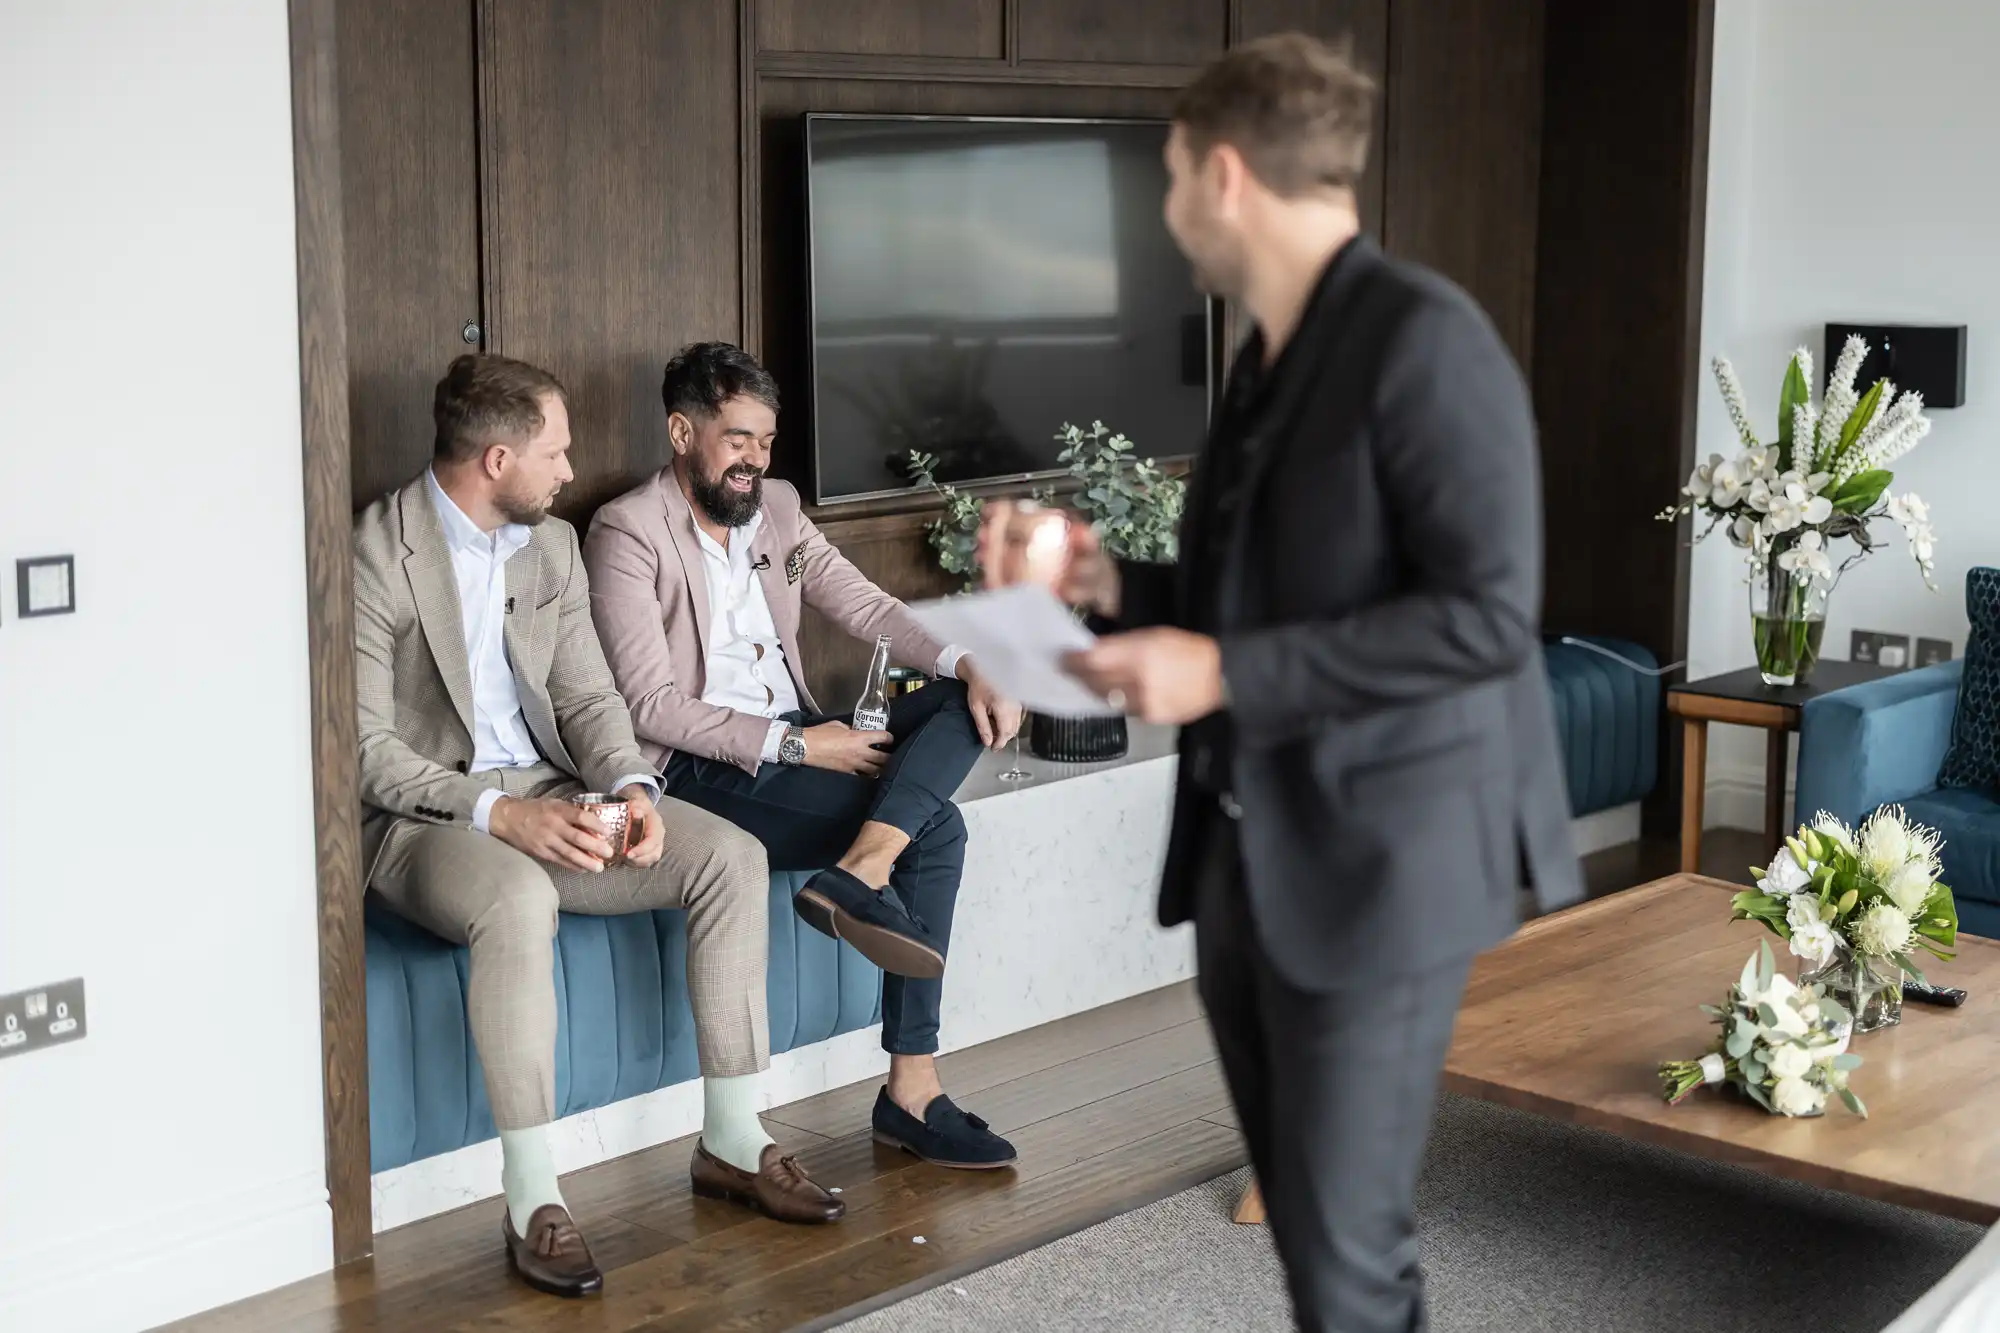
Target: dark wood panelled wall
column 589, row 184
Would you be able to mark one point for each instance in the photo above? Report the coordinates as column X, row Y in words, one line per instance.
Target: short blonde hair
column 1297, row 109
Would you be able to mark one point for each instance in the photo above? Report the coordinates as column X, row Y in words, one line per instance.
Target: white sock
column 527, row 1174
column 729, row 1125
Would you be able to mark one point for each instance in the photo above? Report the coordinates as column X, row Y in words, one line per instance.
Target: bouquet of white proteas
column 1876, row 893
column 1857, row 907
column 1824, row 479
column 1783, row 1046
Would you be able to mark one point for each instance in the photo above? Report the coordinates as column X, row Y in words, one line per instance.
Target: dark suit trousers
column 808, row 817
column 1335, row 1090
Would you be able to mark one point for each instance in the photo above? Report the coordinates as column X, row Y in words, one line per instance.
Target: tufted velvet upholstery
column 623, row 1025
column 1608, row 721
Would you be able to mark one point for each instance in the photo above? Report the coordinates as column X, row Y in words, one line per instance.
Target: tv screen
column 976, row 283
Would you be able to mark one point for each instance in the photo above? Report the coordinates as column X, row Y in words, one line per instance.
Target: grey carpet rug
column 1528, row 1226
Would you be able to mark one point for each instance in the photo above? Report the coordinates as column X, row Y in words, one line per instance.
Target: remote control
column 1948, row 996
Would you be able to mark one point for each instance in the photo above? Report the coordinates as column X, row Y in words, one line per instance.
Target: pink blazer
column 649, row 598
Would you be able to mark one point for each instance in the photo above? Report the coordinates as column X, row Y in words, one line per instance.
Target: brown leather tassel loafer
column 553, row 1257
column 781, row 1190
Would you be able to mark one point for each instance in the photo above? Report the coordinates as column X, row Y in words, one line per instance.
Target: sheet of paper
column 1020, row 636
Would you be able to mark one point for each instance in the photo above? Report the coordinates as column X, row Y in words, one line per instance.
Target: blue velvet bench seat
column 622, row 1021
column 1607, row 720
column 623, row 1024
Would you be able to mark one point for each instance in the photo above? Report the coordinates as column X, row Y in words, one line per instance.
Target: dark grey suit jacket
column 1395, row 752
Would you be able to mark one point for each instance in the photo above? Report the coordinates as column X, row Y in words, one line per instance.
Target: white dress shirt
column 500, row 735
column 744, row 666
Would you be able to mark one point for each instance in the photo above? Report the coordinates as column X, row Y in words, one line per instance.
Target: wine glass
column 1016, row 773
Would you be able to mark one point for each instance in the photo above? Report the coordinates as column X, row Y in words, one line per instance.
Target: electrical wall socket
column 1930, row 652
column 45, row 1016
column 1880, row 649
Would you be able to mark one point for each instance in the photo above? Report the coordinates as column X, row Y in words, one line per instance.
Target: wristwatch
column 792, row 749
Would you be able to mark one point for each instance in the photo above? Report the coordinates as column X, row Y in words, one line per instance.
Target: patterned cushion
column 1974, row 757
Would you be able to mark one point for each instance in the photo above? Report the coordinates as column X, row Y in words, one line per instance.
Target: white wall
column 1851, row 178
column 155, row 817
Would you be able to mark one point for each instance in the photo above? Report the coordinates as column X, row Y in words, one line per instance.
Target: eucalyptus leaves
column 1783, row 1046
column 1135, row 506
column 954, row 534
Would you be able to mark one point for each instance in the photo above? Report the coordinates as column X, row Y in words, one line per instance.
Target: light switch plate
column 45, row 586
column 44, row 1016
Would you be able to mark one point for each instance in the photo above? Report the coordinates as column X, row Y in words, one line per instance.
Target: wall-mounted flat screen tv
column 977, row 282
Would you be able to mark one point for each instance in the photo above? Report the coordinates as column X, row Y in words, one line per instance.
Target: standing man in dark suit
column 1368, row 758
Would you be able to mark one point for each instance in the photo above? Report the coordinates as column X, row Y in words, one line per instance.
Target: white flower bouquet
column 1857, row 906
column 1783, row 1046
column 1826, row 478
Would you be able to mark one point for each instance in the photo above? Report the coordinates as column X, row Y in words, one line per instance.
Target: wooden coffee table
column 1572, row 1017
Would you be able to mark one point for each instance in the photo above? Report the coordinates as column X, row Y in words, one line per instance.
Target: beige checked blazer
column 650, row 596
column 413, row 681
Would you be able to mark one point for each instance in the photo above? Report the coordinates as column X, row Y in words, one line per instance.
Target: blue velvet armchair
column 1870, row 745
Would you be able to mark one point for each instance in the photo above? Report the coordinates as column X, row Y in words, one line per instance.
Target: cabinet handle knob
column 470, row 332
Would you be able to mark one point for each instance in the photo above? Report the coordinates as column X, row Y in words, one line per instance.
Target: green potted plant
column 1136, row 509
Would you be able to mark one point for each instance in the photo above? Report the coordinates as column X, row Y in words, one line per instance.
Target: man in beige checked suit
column 484, row 701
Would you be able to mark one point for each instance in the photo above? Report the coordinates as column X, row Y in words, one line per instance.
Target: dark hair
column 487, row 399
column 1297, row 109
column 703, row 376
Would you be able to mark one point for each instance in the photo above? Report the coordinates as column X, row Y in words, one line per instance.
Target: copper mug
column 1034, row 545
column 615, row 814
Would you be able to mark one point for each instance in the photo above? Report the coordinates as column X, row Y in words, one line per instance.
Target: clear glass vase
column 1787, row 620
column 1871, row 989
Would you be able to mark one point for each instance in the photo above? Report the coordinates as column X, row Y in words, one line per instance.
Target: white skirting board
column 170, row 1258
column 1733, row 795
column 1607, row 828
column 1736, row 800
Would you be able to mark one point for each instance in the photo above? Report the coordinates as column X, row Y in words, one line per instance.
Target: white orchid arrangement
column 1826, row 477
column 1875, row 894
column 1782, row 1045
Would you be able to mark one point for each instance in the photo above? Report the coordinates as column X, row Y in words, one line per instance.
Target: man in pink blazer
column 697, row 582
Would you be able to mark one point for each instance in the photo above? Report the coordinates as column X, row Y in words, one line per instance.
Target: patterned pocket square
column 795, row 564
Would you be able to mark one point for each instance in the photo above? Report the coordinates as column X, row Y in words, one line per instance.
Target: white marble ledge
column 1148, row 742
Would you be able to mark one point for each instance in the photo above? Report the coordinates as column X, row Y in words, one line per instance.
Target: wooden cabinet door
column 410, row 186
column 1121, row 32
column 613, row 210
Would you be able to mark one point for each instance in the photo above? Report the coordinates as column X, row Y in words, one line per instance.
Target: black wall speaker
column 1929, row 358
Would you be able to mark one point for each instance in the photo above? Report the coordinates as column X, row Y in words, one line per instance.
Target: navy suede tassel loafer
column 835, row 903
column 946, row 1136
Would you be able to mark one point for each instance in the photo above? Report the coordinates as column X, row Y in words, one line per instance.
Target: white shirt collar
column 462, row 534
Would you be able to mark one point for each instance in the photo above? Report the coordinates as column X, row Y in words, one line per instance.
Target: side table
column 1742, row 697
